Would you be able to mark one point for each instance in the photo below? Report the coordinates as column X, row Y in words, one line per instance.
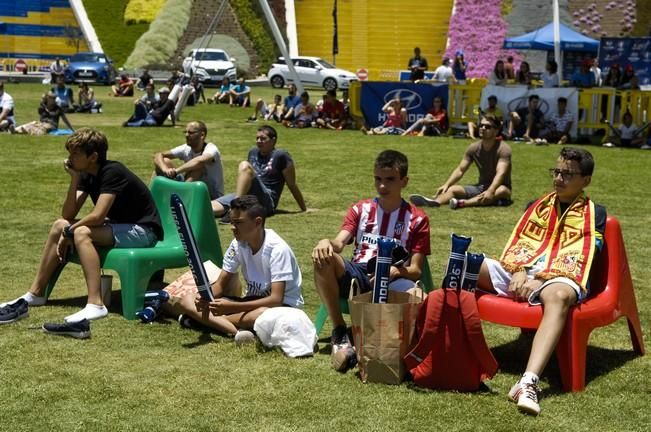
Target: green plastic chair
column 322, row 314
column 136, row 266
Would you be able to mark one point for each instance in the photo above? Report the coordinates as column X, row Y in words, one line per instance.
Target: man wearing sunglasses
column 548, row 260
column 493, row 160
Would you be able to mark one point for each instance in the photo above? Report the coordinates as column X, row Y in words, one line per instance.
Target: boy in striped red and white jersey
column 387, row 215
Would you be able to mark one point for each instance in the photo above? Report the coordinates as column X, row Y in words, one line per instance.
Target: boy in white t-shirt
column 269, row 269
column 201, row 162
column 627, row 134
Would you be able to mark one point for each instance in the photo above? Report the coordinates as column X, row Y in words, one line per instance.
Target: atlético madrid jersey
column 367, row 221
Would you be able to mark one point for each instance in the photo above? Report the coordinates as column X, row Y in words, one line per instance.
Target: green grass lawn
column 131, row 376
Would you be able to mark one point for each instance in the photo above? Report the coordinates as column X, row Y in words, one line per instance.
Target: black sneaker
column 77, row 330
column 226, row 219
column 188, row 322
column 13, row 312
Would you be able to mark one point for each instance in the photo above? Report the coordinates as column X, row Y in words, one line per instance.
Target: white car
column 312, row 71
column 210, row 65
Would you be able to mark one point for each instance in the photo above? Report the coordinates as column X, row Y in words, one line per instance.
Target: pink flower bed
column 478, row 29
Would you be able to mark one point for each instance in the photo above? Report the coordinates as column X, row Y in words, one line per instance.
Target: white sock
column 90, row 312
column 30, row 298
column 529, row 378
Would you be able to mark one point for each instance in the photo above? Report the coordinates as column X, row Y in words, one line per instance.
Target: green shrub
column 142, row 11
column 252, row 21
column 158, row 44
column 507, row 7
column 117, row 38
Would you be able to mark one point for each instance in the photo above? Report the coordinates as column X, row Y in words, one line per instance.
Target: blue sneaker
column 14, row 311
column 77, row 330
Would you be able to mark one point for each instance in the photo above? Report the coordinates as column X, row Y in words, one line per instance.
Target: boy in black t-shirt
column 124, row 216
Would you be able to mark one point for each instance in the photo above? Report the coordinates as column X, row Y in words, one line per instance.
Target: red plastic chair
column 612, row 297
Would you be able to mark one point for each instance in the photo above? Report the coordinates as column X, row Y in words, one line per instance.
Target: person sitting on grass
column 269, row 269
column 560, row 124
column 535, row 270
column 264, row 175
column 395, row 122
column 49, row 114
column 304, row 113
column 388, row 215
column 527, row 122
column 627, row 134
column 240, row 94
column 123, row 86
column 7, row 119
column 124, row 215
column 492, row 108
column 197, row 96
column 272, row 111
column 63, row 94
column 87, row 102
column 150, row 98
column 201, row 161
column 223, row 95
column 434, row 123
column 291, row 101
column 332, row 113
column 153, row 114
column 493, row 160
column 144, row 79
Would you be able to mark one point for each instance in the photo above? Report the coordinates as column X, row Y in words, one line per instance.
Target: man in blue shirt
column 583, row 77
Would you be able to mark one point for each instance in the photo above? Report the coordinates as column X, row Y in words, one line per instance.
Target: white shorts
column 502, row 278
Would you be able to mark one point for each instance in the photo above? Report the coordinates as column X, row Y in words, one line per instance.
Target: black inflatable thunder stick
column 190, row 247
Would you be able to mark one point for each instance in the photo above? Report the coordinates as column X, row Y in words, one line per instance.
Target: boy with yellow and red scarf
column 547, row 261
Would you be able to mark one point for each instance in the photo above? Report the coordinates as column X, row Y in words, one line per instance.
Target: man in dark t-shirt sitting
column 493, row 160
column 527, row 122
column 264, row 175
column 160, row 110
column 124, row 216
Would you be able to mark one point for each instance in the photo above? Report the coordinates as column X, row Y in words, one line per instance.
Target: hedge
column 252, row 20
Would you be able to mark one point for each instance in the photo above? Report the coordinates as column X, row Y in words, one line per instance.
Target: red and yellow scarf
column 566, row 242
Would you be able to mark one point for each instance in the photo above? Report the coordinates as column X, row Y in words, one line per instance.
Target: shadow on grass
column 512, row 358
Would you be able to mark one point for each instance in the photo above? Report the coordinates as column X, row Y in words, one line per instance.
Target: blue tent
column 543, row 39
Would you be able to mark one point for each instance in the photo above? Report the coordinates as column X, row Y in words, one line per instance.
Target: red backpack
column 451, row 353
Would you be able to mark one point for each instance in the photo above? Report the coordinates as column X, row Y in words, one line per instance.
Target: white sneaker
column 244, row 337
column 645, row 147
column 528, row 398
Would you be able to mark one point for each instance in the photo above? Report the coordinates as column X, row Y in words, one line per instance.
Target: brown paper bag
column 383, row 334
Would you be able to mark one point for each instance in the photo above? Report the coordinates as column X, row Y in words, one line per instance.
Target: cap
column 459, row 53
column 163, row 90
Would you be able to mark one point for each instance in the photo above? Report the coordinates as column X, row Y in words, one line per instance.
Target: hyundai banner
column 416, row 98
column 627, row 51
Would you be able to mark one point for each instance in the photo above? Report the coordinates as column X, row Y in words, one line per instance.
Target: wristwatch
column 68, row 232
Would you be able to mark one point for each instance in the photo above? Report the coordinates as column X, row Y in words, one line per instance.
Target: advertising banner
column 416, row 98
column 625, row 51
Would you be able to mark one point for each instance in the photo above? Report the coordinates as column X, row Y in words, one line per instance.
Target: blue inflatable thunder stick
column 384, row 258
column 457, row 262
column 471, row 276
